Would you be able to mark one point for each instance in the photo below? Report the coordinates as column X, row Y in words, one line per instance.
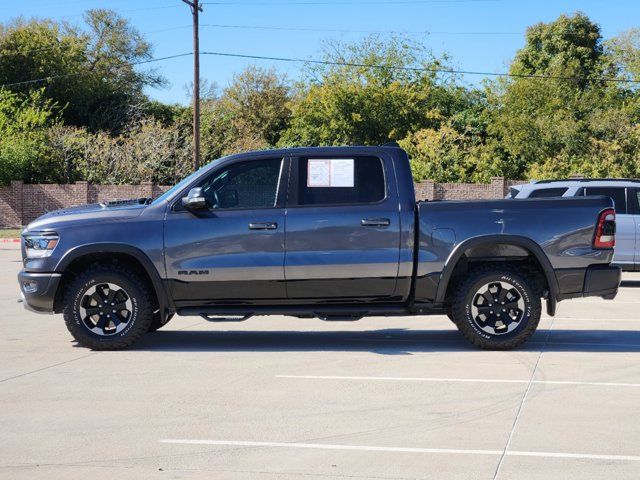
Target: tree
column 384, row 97
column 570, row 46
column 250, row 114
column 24, row 153
column 623, row 52
column 91, row 71
column 257, row 103
column 553, row 127
column 92, row 121
column 145, row 151
column 459, row 150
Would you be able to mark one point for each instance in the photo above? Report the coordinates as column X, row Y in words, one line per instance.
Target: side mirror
column 194, row 200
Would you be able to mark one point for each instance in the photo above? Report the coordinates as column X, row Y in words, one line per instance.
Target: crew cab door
column 234, row 248
column 343, row 228
column 624, row 251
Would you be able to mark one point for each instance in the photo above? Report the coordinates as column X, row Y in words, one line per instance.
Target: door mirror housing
column 195, row 200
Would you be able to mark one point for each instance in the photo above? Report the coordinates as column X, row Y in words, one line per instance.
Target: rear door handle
column 375, row 222
column 263, row 226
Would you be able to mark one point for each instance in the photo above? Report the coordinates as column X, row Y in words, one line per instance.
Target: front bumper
column 39, row 290
column 602, row 281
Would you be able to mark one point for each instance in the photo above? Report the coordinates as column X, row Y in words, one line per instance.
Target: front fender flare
column 164, row 302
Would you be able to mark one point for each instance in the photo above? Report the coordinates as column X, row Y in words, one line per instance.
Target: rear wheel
column 497, row 307
column 107, row 307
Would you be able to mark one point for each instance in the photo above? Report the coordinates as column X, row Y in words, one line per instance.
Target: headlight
column 40, row 246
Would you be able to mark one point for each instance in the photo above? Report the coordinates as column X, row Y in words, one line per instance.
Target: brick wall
column 21, row 203
column 498, row 188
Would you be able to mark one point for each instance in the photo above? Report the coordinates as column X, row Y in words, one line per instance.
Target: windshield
column 180, row 185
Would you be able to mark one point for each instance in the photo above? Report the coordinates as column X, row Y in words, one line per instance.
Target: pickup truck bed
column 333, row 233
column 551, row 235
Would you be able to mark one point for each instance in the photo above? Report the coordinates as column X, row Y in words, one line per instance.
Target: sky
column 478, row 35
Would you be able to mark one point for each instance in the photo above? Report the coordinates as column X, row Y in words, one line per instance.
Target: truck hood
column 92, row 213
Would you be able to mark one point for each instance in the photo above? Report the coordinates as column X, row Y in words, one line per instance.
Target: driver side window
column 244, row 185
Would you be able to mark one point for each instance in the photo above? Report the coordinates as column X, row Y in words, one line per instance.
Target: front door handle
column 375, row 222
column 263, row 226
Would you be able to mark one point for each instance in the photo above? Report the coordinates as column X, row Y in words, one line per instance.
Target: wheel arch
column 490, row 242
column 111, row 251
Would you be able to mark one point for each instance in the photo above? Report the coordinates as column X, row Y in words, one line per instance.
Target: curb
column 9, row 240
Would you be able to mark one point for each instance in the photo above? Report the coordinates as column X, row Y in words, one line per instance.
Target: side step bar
column 323, row 312
column 221, row 318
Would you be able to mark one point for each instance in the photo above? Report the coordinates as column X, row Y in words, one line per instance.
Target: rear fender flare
column 515, row 240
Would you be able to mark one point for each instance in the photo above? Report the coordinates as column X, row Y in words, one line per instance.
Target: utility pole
column 195, row 9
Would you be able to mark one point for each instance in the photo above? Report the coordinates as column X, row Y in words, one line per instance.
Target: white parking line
column 589, row 344
column 367, row 448
column 603, row 302
column 459, row 380
column 635, row 320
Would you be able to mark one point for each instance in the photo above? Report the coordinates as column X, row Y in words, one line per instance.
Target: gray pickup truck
column 333, row 233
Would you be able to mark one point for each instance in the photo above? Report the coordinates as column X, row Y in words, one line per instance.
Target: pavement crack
column 524, row 399
column 46, row 368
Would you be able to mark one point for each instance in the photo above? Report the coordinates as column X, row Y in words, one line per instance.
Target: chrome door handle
column 375, row 222
column 263, row 226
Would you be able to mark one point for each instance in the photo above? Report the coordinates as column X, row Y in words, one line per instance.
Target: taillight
column 606, row 230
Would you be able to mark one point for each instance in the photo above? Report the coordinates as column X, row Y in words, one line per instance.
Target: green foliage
column 366, row 105
column 250, row 114
column 146, row 151
column 551, row 128
column 24, row 152
column 92, row 80
column 96, row 124
column 570, row 46
column 623, row 52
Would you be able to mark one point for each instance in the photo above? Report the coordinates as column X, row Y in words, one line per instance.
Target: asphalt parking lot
column 285, row 398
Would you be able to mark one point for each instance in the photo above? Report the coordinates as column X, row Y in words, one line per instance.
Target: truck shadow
column 394, row 341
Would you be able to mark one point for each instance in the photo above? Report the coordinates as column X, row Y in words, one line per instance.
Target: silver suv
column 626, row 196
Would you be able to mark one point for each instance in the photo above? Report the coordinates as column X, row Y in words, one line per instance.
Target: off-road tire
column 156, row 323
column 467, row 290
column 136, row 289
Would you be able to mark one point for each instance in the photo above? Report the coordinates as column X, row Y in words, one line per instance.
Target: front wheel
column 108, row 307
column 497, row 307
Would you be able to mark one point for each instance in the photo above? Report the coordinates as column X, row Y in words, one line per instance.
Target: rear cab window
column 326, row 181
column 618, row 194
column 548, row 192
column 633, row 201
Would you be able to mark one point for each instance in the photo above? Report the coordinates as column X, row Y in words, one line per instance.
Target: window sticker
column 319, row 173
column 342, row 173
column 330, row 172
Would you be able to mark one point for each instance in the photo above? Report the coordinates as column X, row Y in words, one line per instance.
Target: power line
column 314, row 29
column 341, row 64
column 169, row 29
column 54, row 77
column 357, row 2
column 351, row 30
column 346, row 30
column 419, row 69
